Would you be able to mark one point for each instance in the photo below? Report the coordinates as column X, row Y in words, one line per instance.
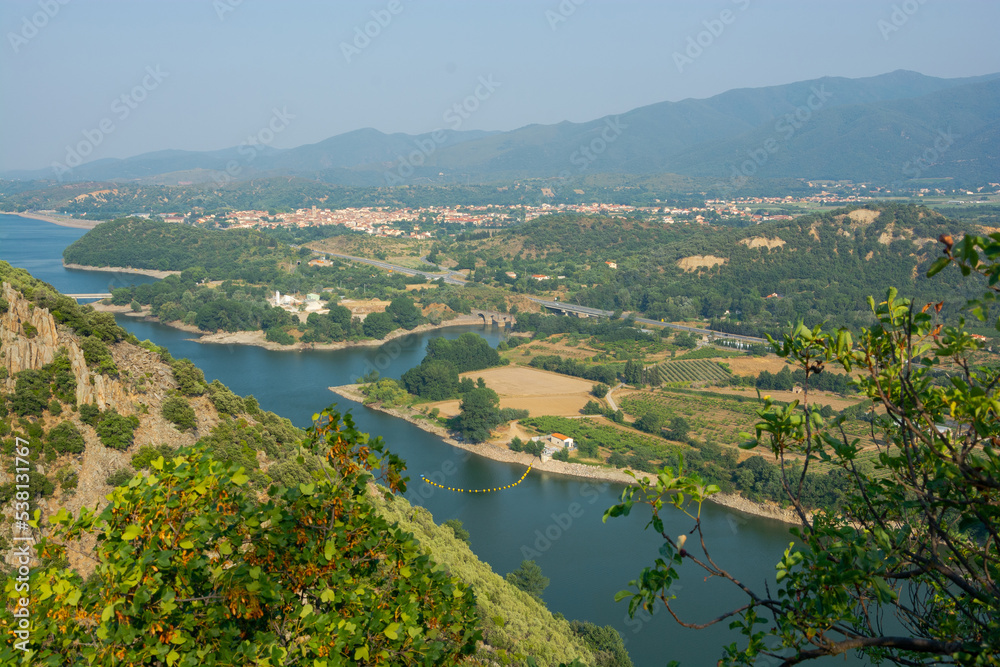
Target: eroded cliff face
column 29, row 339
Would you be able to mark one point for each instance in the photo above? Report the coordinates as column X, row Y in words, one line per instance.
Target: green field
column 693, row 370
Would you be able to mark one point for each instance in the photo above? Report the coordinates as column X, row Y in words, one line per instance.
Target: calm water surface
column 553, row 519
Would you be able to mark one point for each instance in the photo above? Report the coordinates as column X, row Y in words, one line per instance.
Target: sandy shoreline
column 60, row 220
column 122, row 269
column 497, row 452
column 257, row 337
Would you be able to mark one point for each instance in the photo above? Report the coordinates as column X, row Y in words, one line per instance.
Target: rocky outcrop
column 28, row 335
column 29, row 338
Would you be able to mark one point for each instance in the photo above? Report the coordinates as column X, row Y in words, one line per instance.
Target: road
column 455, row 278
column 450, row 277
column 596, row 312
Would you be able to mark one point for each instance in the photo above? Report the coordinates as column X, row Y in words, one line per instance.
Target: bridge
column 95, row 295
column 584, row 311
column 500, row 319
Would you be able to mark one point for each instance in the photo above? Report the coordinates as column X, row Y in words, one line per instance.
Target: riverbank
column 256, row 338
column 498, row 451
column 56, row 219
column 491, row 450
column 122, row 269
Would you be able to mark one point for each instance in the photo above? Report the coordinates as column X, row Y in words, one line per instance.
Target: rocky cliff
column 30, row 338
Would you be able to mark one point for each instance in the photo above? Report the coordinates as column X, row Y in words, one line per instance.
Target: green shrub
column 66, row 438
column 116, row 431
column 119, row 477
column 189, row 377
column 67, row 478
column 459, row 530
column 98, row 355
column 148, row 453
column 178, row 411
column 31, row 393
column 90, row 414
column 224, row 400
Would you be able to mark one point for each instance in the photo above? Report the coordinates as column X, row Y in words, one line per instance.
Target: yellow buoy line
column 499, row 488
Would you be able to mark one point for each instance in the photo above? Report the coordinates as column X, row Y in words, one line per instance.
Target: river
column 552, row 519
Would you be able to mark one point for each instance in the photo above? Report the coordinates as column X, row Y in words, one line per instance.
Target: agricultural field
column 717, row 418
column 608, row 438
column 540, row 392
column 694, row 370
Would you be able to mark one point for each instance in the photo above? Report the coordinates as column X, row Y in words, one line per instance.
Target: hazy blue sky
column 205, row 74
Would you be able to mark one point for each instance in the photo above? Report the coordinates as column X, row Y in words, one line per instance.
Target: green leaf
column 306, row 610
column 939, row 264
column 392, row 631
column 187, row 544
column 361, row 653
column 131, row 532
column 239, row 479
column 307, row 489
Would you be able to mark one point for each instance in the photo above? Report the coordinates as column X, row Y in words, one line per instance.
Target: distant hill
column 755, row 280
column 868, row 129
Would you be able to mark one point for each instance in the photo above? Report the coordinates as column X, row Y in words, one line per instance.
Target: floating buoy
column 501, row 488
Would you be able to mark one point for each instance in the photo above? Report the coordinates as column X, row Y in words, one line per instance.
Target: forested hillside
column 821, row 266
column 138, row 243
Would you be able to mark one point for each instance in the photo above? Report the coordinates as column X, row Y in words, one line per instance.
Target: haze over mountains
column 885, row 129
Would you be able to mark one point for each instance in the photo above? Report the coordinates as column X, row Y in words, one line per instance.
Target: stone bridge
column 491, row 316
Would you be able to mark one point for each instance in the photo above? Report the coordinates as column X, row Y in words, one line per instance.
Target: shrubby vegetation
column 914, row 539
column 179, row 412
column 282, row 578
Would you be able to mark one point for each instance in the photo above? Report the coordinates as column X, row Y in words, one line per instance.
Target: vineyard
column 693, row 370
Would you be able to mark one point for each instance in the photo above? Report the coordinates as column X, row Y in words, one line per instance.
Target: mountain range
column 894, row 128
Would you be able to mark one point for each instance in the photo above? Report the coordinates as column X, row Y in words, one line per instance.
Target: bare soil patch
column 695, row 262
column 762, row 242
column 863, row 215
column 361, row 307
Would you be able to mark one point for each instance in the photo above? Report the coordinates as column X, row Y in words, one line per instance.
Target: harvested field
column 539, row 392
column 835, row 401
column 754, row 365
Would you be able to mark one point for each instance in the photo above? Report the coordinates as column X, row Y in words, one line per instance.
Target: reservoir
column 552, row 519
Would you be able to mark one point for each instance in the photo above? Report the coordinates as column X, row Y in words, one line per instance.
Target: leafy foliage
column 479, row 413
column 468, row 352
column 195, row 570
column 917, row 540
